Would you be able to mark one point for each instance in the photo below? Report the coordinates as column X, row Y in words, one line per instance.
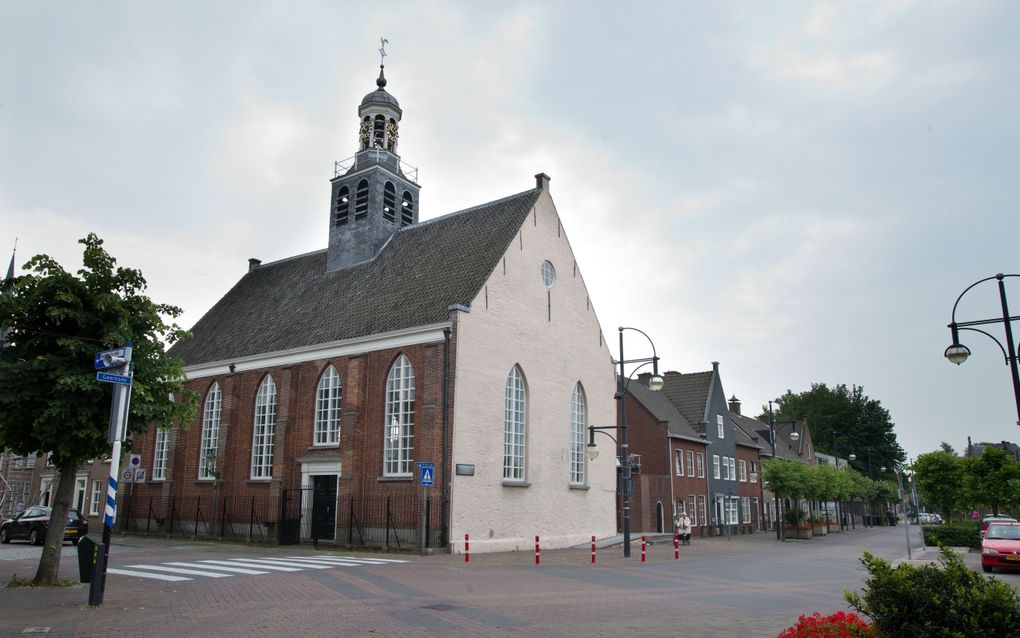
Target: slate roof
column 661, row 408
column 689, row 393
column 418, row 274
column 785, row 448
column 747, row 430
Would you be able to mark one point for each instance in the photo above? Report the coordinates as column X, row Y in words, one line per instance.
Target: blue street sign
column 122, row 379
column 110, row 358
column 428, row 471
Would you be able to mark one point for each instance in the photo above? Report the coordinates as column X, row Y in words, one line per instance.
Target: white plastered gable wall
column 509, row 324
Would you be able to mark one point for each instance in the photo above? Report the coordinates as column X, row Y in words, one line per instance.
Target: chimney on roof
column 715, row 366
column 253, row 264
column 542, row 181
column 734, row 404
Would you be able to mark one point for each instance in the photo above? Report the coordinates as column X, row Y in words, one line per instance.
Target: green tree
column 844, row 420
column 993, row 479
column 939, row 477
column 51, row 400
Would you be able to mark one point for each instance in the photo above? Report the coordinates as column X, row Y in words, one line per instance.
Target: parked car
column 31, row 525
column 1001, row 546
column 993, row 518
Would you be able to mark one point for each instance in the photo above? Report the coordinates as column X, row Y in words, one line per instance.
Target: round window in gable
column 548, row 274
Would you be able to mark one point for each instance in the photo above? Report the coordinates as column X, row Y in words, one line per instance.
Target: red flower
column 838, row 625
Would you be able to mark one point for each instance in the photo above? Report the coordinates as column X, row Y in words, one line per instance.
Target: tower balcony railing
column 380, row 156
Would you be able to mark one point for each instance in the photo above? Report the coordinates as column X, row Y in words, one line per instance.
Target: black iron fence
column 294, row 516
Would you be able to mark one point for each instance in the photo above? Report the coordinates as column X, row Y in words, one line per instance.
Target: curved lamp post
column 655, row 384
column 794, row 436
column 957, row 352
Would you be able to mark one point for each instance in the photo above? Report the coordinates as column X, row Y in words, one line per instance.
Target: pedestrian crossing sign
column 427, row 473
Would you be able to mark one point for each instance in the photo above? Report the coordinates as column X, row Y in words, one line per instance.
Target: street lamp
column 655, row 383
column 794, row 436
column 957, row 352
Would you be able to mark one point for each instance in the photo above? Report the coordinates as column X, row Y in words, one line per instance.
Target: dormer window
column 389, row 202
column 361, row 200
column 406, row 209
column 343, row 206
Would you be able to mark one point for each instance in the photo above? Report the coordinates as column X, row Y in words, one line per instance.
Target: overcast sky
column 796, row 190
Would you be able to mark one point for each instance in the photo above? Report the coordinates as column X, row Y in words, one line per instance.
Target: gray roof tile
column 663, row 410
column 689, row 393
column 418, row 274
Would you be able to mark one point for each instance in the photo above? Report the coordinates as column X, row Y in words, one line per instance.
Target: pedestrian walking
column 684, row 528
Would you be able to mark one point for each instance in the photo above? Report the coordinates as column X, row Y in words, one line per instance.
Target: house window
column 733, row 468
column 702, row 510
column 79, row 494
column 701, row 465
column 361, row 200
column 691, row 511
column 399, row 423
column 17, row 463
column 731, row 511
column 578, row 411
column 95, row 498
column 46, row 491
column 719, row 423
column 159, row 454
column 389, row 202
column 343, row 206
column 515, row 405
column 715, row 466
column 210, row 433
column 263, row 430
column 742, row 469
column 327, row 409
column 407, row 209
column 690, row 463
column 679, row 462
column 548, row 274
column 754, row 471
column 725, row 469
column 745, row 509
column 754, row 510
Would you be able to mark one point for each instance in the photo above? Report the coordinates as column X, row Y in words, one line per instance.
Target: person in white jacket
column 684, row 528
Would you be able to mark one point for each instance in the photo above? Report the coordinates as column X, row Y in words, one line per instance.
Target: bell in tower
column 372, row 196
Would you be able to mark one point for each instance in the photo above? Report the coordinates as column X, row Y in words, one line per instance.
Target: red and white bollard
column 467, row 548
column 592, row 550
column 642, row 548
column 676, row 546
column 538, row 555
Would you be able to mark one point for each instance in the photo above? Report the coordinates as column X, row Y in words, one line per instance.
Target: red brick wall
column 647, row 436
column 684, row 486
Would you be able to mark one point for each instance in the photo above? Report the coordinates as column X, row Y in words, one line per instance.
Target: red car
column 1001, row 546
column 993, row 518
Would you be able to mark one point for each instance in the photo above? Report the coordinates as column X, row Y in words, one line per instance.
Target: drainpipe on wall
column 446, row 439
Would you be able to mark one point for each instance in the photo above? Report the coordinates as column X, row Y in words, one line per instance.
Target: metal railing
column 343, row 166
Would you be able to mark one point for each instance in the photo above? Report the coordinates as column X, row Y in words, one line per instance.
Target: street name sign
column 108, row 377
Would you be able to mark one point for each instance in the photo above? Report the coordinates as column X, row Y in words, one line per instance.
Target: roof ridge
column 468, row 210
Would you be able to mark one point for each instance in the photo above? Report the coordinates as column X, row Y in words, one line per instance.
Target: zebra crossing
column 177, row 571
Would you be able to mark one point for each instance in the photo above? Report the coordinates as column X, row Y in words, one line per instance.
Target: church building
column 466, row 341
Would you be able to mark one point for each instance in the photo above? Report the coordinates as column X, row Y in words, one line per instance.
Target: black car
column 31, row 525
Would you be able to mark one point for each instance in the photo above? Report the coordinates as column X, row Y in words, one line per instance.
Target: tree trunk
column 49, row 562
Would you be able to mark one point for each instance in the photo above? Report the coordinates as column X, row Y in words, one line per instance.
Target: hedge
column 953, row 534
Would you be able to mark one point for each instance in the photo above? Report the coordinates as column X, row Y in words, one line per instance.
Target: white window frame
column 692, row 506
column 701, row 465
column 690, row 463
column 745, row 509
column 96, row 497
column 159, row 453
column 755, row 512
column 17, row 463
column 398, row 424
column 515, row 420
column 212, row 411
column 754, row 471
column 328, row 397
column 742, row 470
column 263, row 431
column 679, row 462
column 80, row 485
column 578, row 417
column 702, row 509
column 715, row 466
column 30, row 459
column 732, row 512
column 732, row 462
column 721, row 427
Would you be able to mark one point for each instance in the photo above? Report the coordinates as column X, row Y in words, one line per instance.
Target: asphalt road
column 747, row 586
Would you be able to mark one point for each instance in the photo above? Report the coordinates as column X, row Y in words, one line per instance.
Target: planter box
column 792, row 531
column 820, row 529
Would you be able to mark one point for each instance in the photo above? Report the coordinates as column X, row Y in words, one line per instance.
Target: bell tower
column 373, row 194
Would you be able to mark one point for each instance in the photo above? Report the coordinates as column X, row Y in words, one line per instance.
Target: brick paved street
column 747, row 586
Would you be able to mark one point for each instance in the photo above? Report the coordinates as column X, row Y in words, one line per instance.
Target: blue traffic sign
column 110, row 358
column 122, row 379
column 428, row 471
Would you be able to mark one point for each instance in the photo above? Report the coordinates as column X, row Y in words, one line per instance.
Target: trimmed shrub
column 953, row 535
column 838, row 625
column 935, row 600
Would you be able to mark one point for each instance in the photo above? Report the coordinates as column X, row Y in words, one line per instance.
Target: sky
column 797, row 190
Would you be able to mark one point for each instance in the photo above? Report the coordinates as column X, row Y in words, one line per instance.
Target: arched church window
column 407, row 209
column 343, row 206
column 379, row 132
column 361, row 200
column 389, row 202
